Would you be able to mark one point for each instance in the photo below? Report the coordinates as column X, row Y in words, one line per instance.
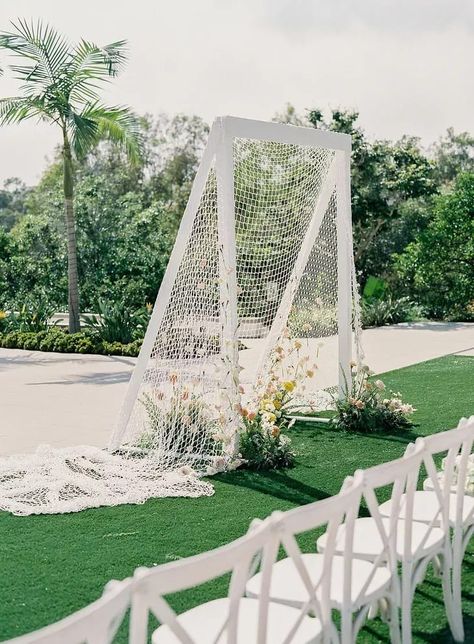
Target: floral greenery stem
column 367, row 407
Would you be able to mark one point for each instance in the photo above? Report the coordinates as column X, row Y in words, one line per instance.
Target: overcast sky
column 407, row 65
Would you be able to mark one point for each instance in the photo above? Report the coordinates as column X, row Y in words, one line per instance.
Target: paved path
column 68, row 399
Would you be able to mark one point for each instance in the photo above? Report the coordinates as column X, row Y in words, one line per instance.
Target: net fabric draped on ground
column 264, row 252
column 56, row 480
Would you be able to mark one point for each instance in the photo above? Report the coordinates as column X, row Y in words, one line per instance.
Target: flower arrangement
column 263, row 442
column 180, row 421
column 368, row 407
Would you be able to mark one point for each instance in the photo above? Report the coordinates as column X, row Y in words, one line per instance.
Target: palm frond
column 117, row 124
column 91, row 63
column 47, row 50
column 15, row 109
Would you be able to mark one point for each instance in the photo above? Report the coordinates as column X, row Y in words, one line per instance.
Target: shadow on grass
column 404, row 436
column 444, row 634
column 276, row 484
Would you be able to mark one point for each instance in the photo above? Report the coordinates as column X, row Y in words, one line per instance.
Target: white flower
column 185, row 470
column 379, row 384
column 219, row 463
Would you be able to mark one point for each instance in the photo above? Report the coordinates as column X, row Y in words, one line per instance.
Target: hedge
column 63, row 342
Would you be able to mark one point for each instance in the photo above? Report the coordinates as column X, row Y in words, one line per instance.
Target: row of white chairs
column 362, row 565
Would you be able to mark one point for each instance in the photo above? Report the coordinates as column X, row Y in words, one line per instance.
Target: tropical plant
column 389, row 310
column 33, row 315
column 60, row 87
column 115, row 322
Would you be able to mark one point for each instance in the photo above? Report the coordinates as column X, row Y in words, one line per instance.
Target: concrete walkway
column 68, row 399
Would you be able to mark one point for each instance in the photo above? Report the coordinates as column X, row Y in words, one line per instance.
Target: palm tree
column 60, row 83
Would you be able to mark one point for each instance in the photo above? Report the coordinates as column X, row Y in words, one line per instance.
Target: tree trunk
column 73, row 286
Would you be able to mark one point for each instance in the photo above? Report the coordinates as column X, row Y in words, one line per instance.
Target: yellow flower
column 3, row 315
column 277, row 403
column 275, row 431
column 310, row 373
column 298, row 344
column 289, row 385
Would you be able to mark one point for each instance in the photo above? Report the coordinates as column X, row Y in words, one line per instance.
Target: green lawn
column 52, row 565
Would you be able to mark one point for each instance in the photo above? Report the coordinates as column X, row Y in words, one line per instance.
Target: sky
column 406, row 65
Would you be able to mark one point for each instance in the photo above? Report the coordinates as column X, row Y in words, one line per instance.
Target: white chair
column 377, row 537
column 97, row 623
column 355, row 585
column 231, row 620
column 445, row 503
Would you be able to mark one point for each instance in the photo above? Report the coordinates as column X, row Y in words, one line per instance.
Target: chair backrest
column 402, row 474
column 332, row 513
column 449, row 485
column 97, row 623
column 152, row 584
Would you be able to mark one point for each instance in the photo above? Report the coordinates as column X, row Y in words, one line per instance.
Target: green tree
column 13, row 197
column 127, row 217
column 453, row 154
column 384, row 175
column 60, row 86
column 438, row 268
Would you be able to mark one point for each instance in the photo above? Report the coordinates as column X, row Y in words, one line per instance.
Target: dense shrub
column 438, row 268
column 389, row 310
column 115, row 322
column 33, row 314
column 55, row 339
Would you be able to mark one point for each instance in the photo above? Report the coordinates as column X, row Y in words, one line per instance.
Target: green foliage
column 369, row 408
column 389, row 310
column 58, row 340
column 115, row 322
column 60, row 87
column 374, row 288
column 13, row 197
column 263, row 450
column 454, row 155
column 127, row 219
column 33, row 315
column 438, row 268
column 384, row 175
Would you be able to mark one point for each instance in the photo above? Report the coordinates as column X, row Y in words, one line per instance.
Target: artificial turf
column 53, row 565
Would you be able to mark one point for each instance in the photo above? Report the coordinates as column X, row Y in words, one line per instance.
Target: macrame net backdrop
column 214, row 337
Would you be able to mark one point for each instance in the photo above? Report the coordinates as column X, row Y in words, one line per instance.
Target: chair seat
column 368, row 543
column 426, row 507
column 203, row 624
column 288, row 588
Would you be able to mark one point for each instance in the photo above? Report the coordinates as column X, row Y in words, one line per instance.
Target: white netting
column 56, row 480
column 182, row 422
